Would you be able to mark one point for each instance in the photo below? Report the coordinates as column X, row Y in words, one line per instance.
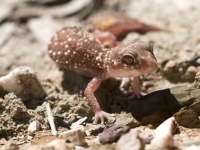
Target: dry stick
column 51, row 119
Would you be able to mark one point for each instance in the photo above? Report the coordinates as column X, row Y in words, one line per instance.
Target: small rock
column 78, row 123
column 10, row 145
column 130, row 141
column 198, row 61
column 23, row 82
column 146, row 133
column 171, row 64
column 33, row 127
column 164, row 134
column 169, row 67
column 191, row 69
column 76, row 136
column 113, row 133
column 126, row 119
column 187, row 118
column 94, row 129
column 190, row 74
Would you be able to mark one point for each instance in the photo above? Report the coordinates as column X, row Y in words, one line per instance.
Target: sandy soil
column 25, row 36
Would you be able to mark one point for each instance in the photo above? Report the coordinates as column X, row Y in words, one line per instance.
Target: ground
column 26, row 28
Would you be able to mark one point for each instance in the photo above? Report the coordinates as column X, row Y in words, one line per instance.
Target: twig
column 51, row 119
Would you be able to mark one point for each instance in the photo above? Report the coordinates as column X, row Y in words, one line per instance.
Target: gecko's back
column 77, row 49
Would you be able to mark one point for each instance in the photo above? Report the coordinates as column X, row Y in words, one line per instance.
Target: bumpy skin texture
column 78, row 50
column 119, row 25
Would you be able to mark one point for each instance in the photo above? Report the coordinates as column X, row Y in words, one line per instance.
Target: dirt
column 24, row 42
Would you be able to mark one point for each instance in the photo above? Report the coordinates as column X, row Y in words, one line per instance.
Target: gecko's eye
column 130, row 57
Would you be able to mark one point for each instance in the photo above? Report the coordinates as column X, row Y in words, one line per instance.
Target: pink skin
column 78, row 50
column 119, row 25
column 106, row 38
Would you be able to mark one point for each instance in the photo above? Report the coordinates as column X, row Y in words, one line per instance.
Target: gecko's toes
column 137, row 95
column 101, row 116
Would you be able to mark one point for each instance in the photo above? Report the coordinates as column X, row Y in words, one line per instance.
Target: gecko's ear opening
column 151, row 46
column 129, row 57
column 147, row 47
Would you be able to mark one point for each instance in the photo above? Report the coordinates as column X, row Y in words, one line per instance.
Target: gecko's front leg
column 89, row 93
column 135, row 83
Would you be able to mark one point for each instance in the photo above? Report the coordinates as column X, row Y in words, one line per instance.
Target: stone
column 76, row 136
column 164, row 134
column 113, row 133
column 171, row 64
column 23, row 82
column 126, row 119
column 78, row 123
column 94, row 129
column 130, row 141
column 33, row 127
column 187, row 118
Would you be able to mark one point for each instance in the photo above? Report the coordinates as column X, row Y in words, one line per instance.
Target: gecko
column 76, row 49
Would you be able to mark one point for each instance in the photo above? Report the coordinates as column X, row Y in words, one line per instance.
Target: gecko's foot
column 137, row 95
column 101, row 116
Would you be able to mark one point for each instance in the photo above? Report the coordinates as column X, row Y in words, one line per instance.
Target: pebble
column 164, row 134
column 113, row 133
column 23, row 82
column 191, row 69
column 171, row 64
column 78, row 123
column 187, row 118
column 33, row 127
column 130, row 141
column 94, row 129
column 198, row 60
column 127, row 119
column 76, row 136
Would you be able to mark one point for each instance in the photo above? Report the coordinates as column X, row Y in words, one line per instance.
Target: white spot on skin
column 66, row 46
column 56, row 43
column 50, row 51
column 59, row 52
column 54, row 53
column 69, row 39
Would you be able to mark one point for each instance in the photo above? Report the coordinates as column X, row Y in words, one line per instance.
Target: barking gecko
column 78, row 50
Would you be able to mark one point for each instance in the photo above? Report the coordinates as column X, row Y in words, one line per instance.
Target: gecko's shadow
column 154, row 107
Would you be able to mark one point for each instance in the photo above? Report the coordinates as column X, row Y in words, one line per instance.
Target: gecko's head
column 134, row 59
